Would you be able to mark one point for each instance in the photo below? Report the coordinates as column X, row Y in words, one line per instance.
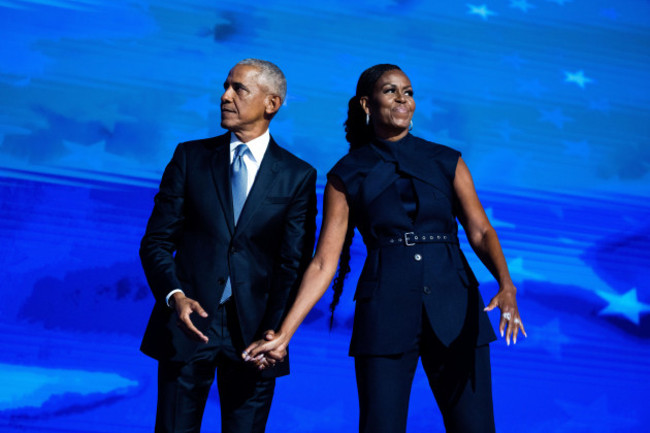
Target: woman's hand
column 266, row 352
column 506, row 300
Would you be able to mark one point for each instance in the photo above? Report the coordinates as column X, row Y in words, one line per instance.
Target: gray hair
column 270, row 74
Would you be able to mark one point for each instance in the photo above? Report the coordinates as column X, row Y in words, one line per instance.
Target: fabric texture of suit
column 192, row 243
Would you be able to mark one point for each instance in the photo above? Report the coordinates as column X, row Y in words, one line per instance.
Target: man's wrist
column 169, row 299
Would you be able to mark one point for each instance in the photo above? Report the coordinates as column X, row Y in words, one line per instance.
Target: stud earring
column 411, row 126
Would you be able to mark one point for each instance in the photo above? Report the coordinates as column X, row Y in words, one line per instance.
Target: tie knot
column 240, row 150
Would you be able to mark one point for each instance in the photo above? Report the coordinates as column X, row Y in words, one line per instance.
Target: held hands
column 265, row 353
column 507, row 303
column 184, row 307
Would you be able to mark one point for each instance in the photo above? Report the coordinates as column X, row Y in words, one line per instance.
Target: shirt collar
column 257, row 146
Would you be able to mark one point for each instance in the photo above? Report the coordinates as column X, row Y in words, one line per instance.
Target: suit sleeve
column 296, row 250
column 164, row 229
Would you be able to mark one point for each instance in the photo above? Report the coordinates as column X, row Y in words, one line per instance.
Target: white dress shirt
column 252, row 159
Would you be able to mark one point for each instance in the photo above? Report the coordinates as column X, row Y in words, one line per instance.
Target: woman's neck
column 392, row 135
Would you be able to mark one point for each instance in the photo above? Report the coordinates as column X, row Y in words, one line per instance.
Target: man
column 231, row 231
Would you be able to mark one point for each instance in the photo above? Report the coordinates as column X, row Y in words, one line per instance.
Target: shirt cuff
column 169, row 295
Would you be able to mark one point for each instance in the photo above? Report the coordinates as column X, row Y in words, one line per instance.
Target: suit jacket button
column 427, row 290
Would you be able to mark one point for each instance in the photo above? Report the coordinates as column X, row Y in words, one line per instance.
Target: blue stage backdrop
column 547, row 99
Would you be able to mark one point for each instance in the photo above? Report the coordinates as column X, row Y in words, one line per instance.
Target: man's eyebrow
column 235, row 84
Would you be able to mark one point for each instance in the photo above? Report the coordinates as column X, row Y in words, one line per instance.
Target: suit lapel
column 221, row 175
column 264, row 180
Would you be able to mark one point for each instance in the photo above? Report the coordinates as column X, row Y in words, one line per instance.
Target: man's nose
column 227, row 95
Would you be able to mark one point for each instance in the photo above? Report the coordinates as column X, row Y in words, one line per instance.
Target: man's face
column 244, row 102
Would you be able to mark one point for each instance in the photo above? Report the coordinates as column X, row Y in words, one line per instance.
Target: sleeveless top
column 402, row 202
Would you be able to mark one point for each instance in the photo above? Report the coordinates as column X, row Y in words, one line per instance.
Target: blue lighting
column 548, row 100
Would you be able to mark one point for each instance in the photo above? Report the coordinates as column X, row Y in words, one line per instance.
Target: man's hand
column 184, row 307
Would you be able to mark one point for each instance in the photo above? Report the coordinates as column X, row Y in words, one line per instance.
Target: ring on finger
column 507, row 316
column 517, row 321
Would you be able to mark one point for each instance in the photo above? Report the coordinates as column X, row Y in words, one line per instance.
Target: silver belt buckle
column 407, row 242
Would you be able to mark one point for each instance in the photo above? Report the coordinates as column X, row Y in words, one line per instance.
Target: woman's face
column 391, row 105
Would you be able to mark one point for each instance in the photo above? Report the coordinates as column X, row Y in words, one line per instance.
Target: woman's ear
column 364, row 104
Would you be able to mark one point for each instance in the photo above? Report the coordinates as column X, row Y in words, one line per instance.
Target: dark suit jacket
column 192, row 243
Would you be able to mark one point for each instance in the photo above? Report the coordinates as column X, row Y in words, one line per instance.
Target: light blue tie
column 238, row 183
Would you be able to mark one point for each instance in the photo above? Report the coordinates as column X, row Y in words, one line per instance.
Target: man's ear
column 272, row 104
column 364, row 104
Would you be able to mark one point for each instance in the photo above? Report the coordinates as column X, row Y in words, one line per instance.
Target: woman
column 417, row 297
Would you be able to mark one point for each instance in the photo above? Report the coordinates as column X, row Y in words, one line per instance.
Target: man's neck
column 247, row 135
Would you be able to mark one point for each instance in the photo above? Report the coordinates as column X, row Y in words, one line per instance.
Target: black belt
column 411, row 238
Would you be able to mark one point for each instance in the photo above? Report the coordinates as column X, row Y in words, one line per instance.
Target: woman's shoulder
column 434, row 150
column 355, row 161
column 353, row 168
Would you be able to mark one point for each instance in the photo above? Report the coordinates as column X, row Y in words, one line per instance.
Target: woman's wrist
column 507, row 287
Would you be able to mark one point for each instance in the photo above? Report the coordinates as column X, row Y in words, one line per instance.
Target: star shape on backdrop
column 481, row 11
column 556, row 117
column 577, row 148
column 505, row 130
column 514, row 60
column 521, row 4
column 626, row 305
column 530, row 87
column 559, row 2
column 577, row 77
column 548, row 337
column 520, row 274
